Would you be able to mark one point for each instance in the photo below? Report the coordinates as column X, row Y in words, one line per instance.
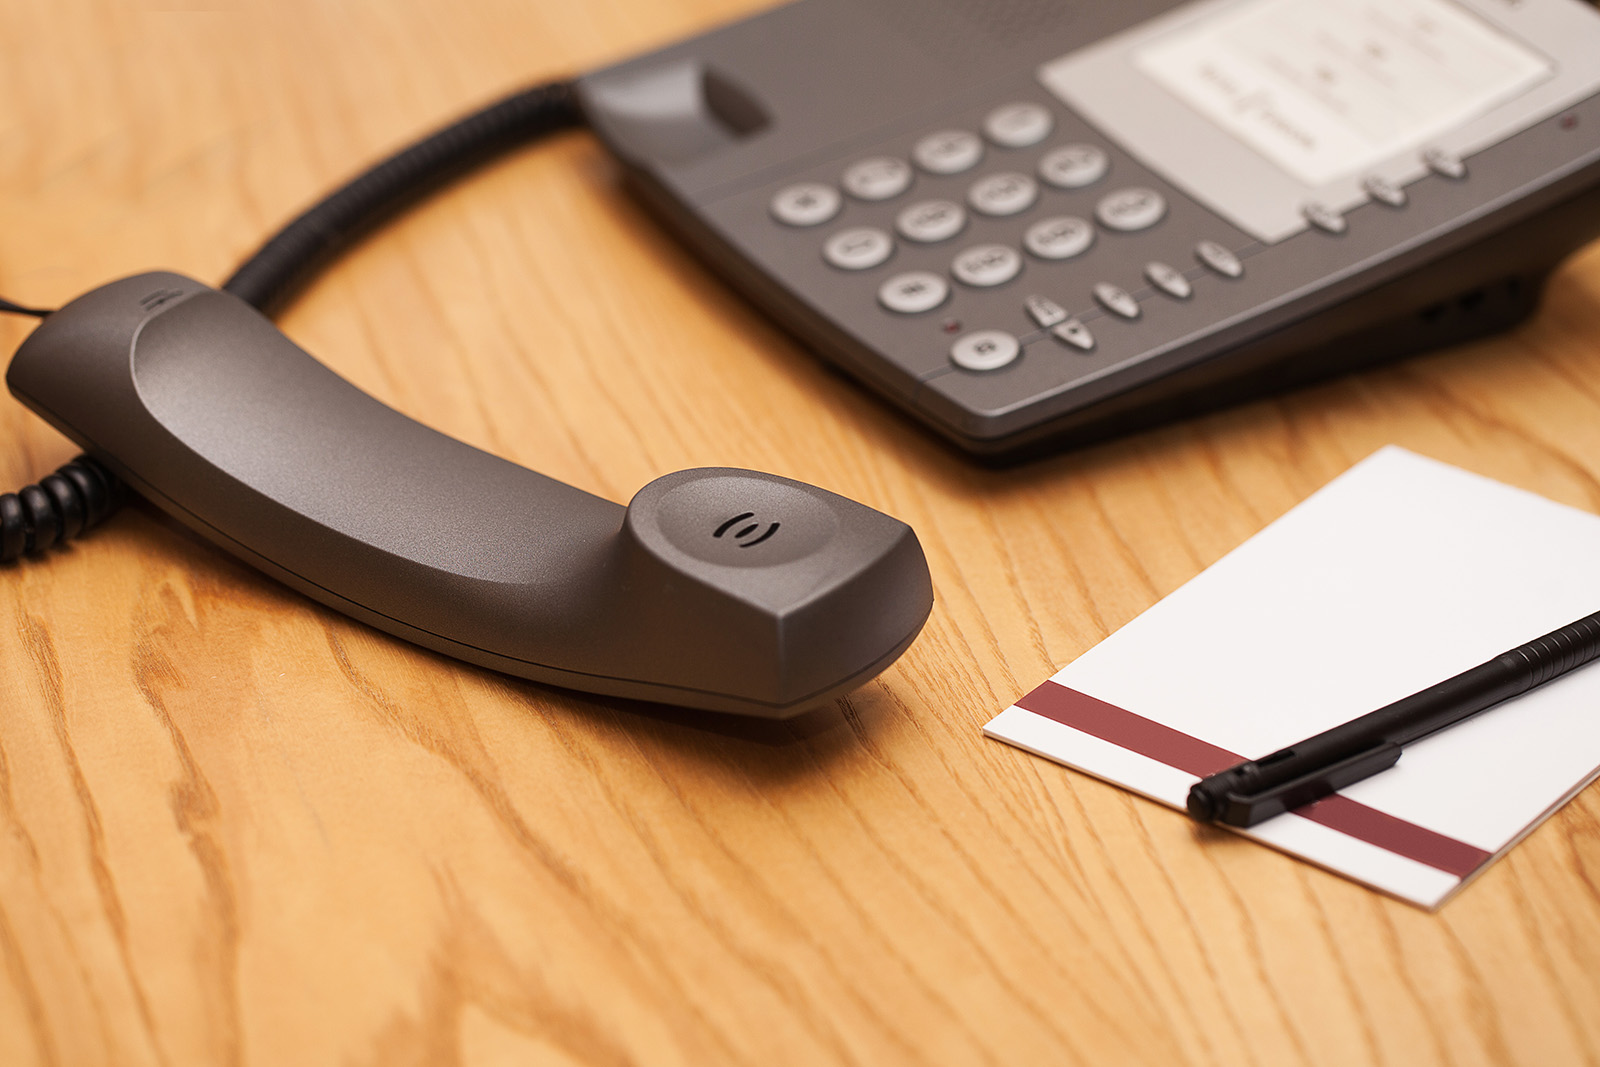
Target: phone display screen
column 1326, row 88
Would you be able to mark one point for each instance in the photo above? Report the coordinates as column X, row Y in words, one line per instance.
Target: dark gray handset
column 722, row 589
column 1031, row 221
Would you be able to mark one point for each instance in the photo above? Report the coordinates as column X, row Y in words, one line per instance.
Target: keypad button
column 1074, row 333
column 1445, row 164
column 879, row 178
column 1117, row 300
column 1018, row 125
column 858, row 248
column 987, row 265
column 1168, row 279
column 1131, row 209
column 1384, row 191
column 931, row 221
column 948, row 152
column 806, row 204
column 913, row 292
column 1324, row 218
column 1219, row 258
column 1044, row 312
column 1003, row 194
column 985, row 350
column 1073, row 166
column 1061, row 237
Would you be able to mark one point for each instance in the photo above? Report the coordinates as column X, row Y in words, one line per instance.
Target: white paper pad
column 1398, row 574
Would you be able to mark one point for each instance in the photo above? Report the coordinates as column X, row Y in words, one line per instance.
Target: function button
column 1384, row 191
column 1018, row 125
column 1168, row 279
column 1445, row 164
column 1116, row 300
column 806, row 204
column 1219, row 258
column 986, row 265
column 931, row 220
column 1131, row 209
column 1074, row 333
column 914, row 291
column 985, row 350
column 1324, row 217
column 1073, row 166
column 858, row 249
column 1061, row 237
column 948, row 152
column 1044, row 311
column 1008, row 193
column 879, row 178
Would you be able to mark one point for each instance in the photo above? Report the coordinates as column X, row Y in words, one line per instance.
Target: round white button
column 879, row 178
column 913, row 292
column 1018, row 125
column 985, row 350
column 948, row 152
column 806, row 204
column 1061, row 237
column 1073, row 166
column 1003, row 194
column 987, row 265
column 931, row 220
column 1137, row 208
column 858, row 249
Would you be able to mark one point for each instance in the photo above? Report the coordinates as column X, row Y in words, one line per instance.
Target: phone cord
column 79, row 495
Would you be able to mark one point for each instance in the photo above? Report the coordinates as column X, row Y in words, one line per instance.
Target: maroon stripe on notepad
column 1187, row 753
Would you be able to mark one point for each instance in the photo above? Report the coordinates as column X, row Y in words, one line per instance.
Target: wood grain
column 236, row 828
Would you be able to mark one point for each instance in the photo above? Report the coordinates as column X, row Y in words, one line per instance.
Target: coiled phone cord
column 79, row 495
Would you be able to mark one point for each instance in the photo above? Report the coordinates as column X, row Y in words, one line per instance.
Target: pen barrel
column 1439, row 706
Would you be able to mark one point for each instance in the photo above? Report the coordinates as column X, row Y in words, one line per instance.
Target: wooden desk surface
column 238, row 828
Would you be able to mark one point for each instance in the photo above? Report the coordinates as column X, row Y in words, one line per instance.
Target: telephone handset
column 716, row 588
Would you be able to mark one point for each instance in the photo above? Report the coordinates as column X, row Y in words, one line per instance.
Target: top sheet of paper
column 1398, row 574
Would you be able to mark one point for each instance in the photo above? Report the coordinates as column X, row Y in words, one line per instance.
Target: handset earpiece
column 722, row 589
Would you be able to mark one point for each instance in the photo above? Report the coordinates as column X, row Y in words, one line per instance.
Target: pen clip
column 1248, row 809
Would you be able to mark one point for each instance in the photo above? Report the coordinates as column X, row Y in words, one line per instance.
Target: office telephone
column 1025, row 222
column 1030, row 222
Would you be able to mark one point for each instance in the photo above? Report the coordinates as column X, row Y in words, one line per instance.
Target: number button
column 806, row 204
column 1131, row 209
column 1059, row 238
column 1003, row 194
column 879, row 178
column 984, row 266
column 1073, row 166
column 948, row 152
column 1018, row 125
column 931, row 221
column 985, row 350
column 858, row 249
column 913, row 292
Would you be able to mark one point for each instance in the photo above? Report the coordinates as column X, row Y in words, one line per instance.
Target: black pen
column 1322, row 765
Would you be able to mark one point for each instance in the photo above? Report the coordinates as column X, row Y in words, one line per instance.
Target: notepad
column 1398, row 574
